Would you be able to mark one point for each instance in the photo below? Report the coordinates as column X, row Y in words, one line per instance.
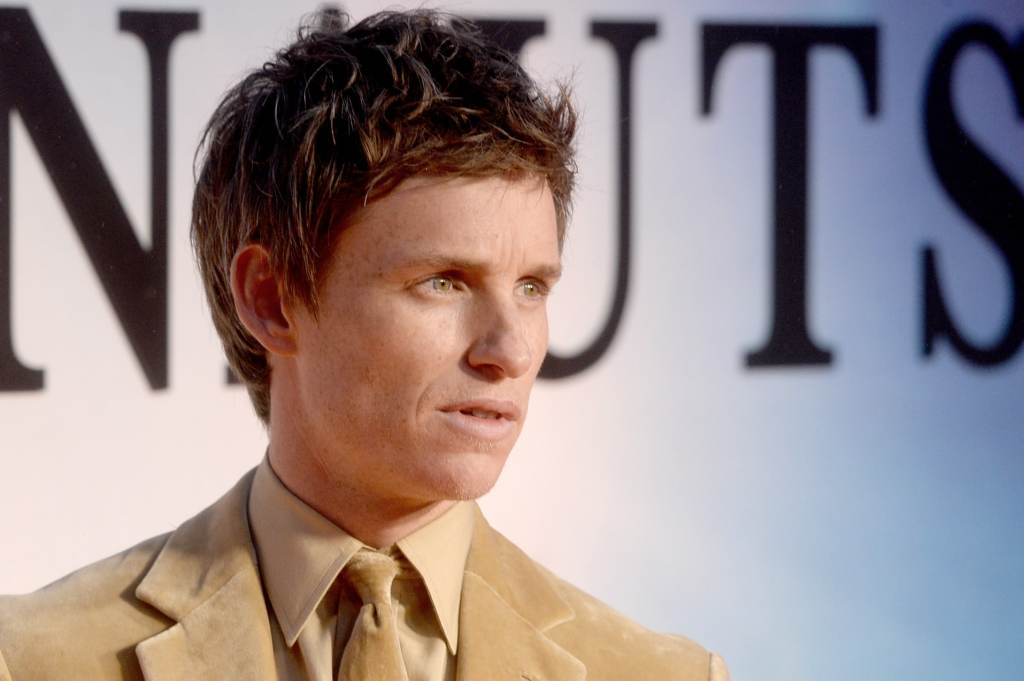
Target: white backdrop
column 856, row 521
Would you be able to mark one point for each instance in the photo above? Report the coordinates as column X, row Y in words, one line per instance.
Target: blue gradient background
column 861, row 521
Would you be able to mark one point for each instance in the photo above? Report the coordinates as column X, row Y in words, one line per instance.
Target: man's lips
column 486, row 409
column 483, row 419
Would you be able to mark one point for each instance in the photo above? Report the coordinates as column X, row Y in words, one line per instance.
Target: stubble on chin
column 466, row 476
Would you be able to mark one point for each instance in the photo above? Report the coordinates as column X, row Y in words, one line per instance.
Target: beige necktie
column 372, row 652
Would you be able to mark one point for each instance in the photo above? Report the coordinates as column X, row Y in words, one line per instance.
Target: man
column 378, row 223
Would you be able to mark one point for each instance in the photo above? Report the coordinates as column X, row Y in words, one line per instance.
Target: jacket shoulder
column 613, row 646
column 84, row 625
column 609, row 644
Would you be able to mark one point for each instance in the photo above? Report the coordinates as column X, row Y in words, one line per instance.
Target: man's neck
column 376, row 522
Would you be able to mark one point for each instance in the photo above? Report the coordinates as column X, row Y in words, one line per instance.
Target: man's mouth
column 481, row 413
column 486, row 408
column 484, row 418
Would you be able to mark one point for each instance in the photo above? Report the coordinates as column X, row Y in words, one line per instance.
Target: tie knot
column 371, row 573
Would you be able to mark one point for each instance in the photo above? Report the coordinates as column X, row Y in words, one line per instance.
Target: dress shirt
column 301, row 553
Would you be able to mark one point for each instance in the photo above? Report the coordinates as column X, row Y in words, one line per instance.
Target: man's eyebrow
column 445, row 263
column 438, row 262
column 549, row 272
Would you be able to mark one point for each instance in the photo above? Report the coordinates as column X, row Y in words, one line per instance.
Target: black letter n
column 133, row 278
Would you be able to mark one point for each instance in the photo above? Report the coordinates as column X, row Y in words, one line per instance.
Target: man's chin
column 466, row 475
column 470, row 490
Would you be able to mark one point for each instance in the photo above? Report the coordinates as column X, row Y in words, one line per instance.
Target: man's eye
column 442, row 284
column 532, row 289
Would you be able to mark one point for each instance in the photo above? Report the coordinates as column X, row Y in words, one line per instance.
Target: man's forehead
column 468, row 219
column 424, row 185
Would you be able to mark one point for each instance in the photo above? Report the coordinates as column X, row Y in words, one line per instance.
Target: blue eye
column 532, row 289
column 442, row 284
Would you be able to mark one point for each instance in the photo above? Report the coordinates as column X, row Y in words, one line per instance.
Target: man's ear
column 258, row 301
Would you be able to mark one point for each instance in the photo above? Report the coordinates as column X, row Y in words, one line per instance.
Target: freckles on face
column 431, row 329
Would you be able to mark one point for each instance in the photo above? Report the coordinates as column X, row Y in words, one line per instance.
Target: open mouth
column 483, row 419
column 487, row 409
column 481, row 413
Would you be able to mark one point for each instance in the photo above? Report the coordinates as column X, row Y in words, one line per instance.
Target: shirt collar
column 301, row 553
column 438, row 551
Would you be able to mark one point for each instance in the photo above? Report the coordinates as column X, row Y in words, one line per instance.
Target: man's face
column 412, row 385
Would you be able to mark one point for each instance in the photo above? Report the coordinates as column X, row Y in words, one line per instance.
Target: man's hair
column 338, row 119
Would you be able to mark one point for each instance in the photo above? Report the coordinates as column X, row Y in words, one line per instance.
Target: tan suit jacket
column 189, row 605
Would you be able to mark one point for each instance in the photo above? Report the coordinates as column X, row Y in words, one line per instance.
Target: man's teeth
column 481, row 413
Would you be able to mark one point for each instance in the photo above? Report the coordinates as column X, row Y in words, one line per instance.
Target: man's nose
column 502, row 347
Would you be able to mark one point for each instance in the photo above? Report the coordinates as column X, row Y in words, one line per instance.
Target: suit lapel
column 226, row 637
column 206, row 579
column 508, row 602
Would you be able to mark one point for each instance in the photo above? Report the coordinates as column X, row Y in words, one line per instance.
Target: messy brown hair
column 338, row 119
